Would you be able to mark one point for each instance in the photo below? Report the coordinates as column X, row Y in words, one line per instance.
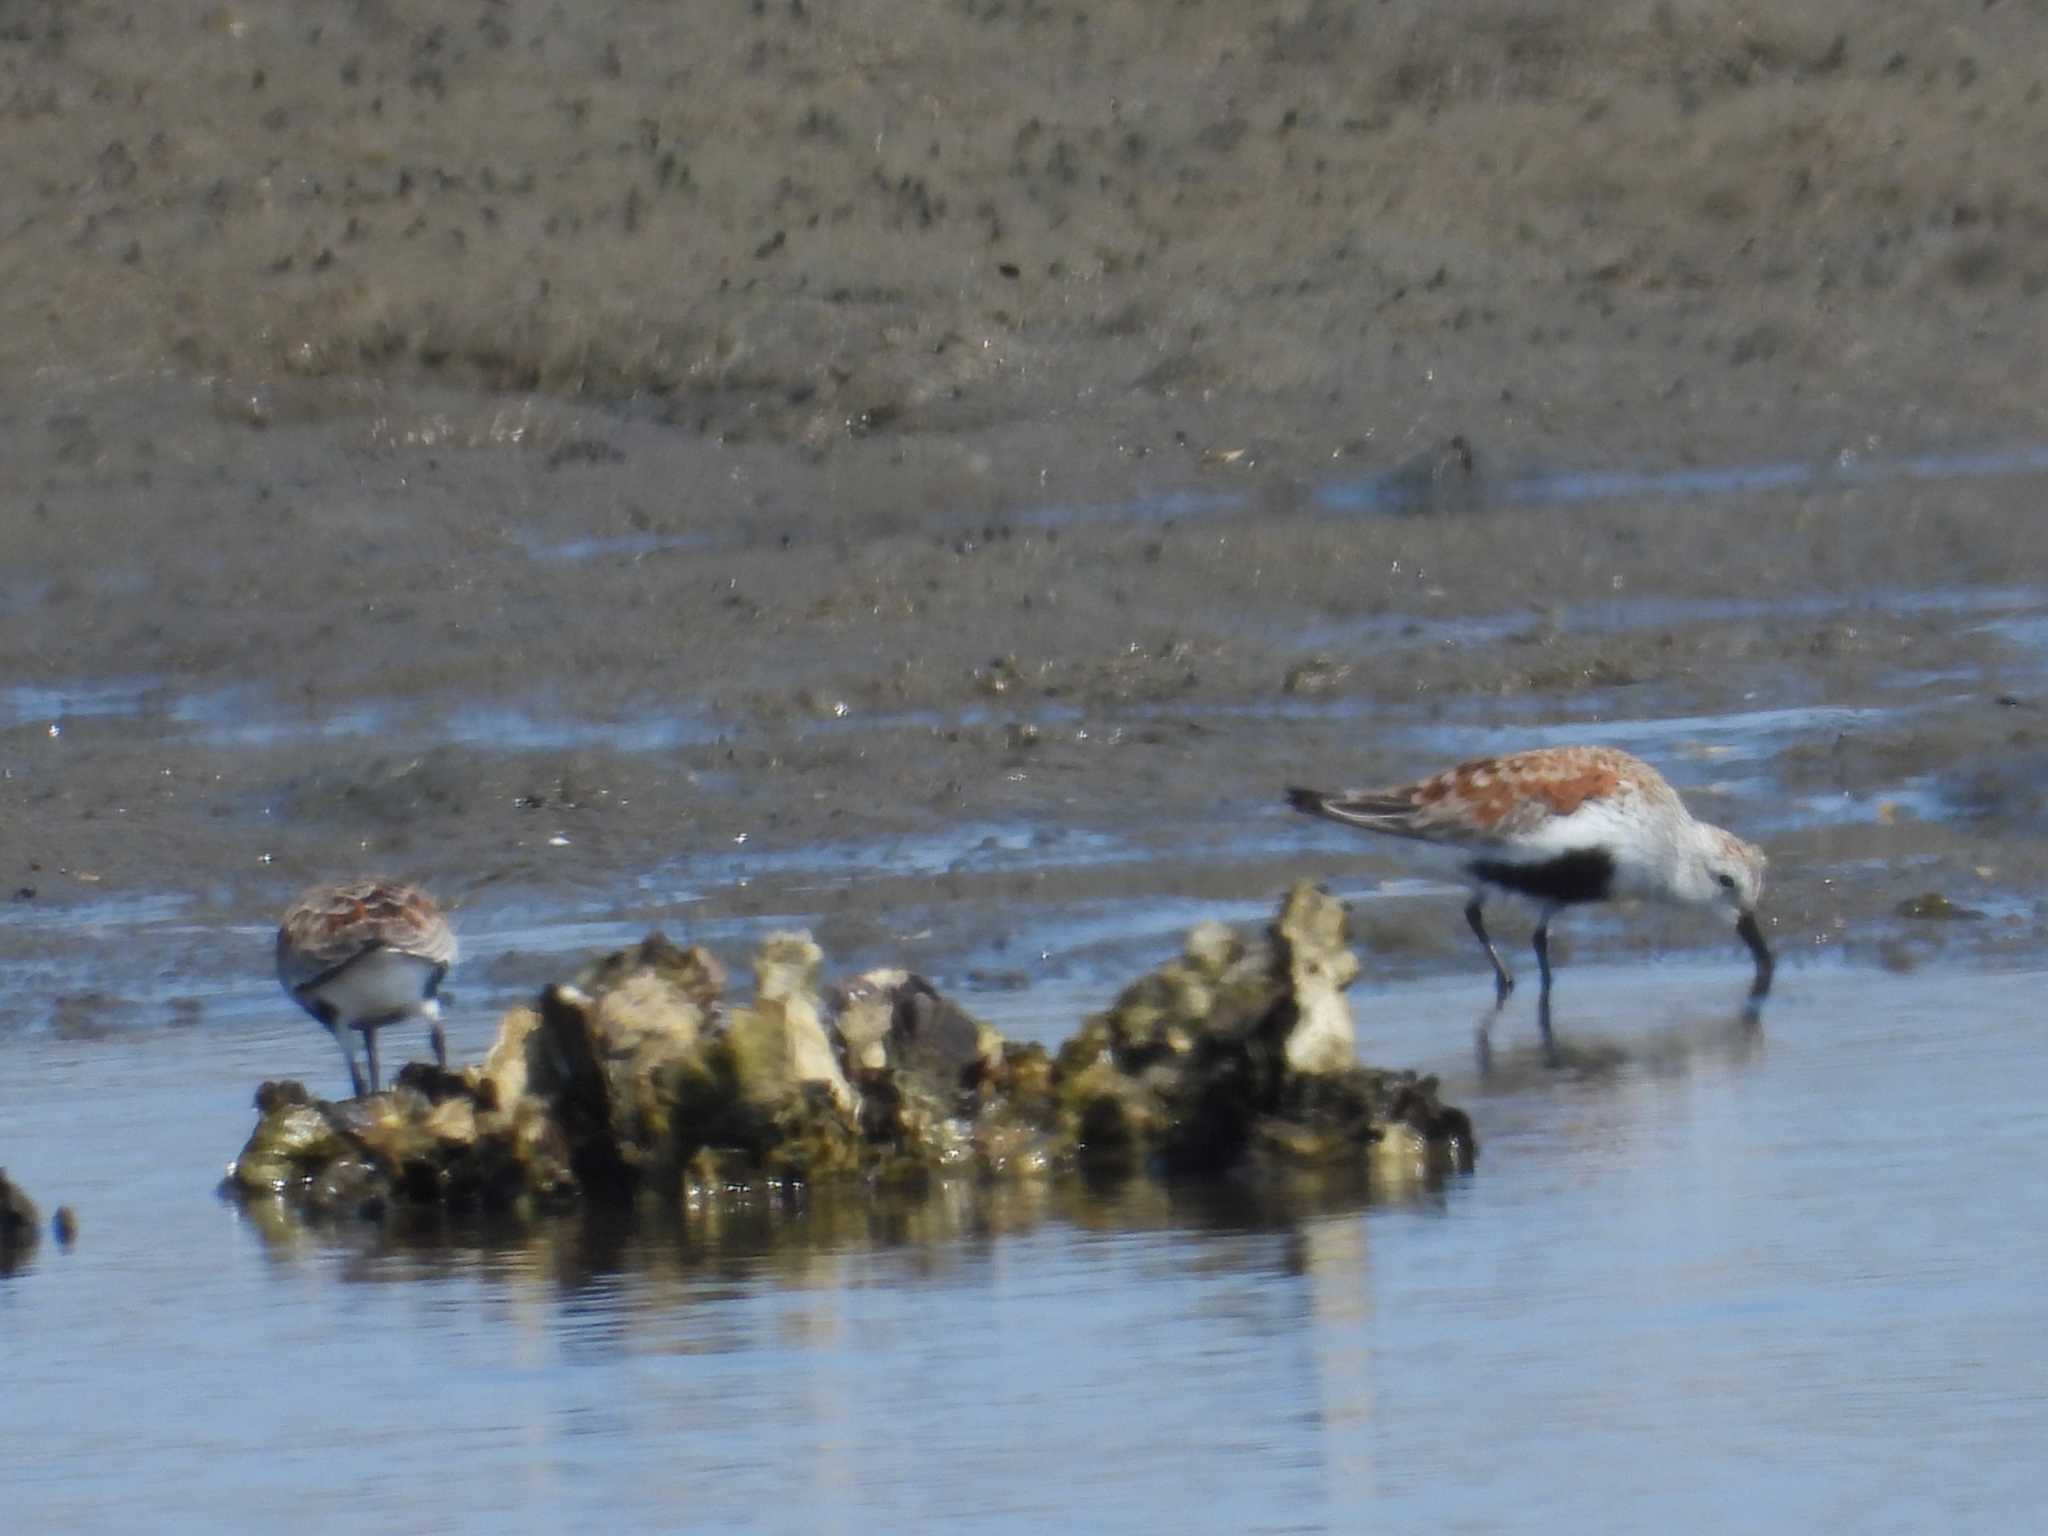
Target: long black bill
column 1746, row 928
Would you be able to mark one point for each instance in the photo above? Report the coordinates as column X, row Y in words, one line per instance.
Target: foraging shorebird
column 364, row 954
column 1565, row 826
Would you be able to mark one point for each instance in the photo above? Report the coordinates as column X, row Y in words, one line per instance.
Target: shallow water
column 1700, row 1277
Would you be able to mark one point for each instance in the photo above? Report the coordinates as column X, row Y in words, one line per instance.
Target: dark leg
column 440, row 1043
column 1503, row 978
column 355, row 1076
column 370, row 1049
column 1542, row 943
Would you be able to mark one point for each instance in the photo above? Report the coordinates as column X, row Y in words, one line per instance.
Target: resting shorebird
column 1564, row 826
column 365, row 954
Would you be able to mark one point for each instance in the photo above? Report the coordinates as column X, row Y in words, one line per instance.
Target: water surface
column 1700, row 1278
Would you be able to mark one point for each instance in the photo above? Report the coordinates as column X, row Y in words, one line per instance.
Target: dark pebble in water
column 64, row 1226
column 1935, row 907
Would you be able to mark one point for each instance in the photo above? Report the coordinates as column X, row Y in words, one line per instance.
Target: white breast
column 1642, row 840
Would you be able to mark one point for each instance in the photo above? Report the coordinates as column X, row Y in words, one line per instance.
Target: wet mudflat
column 1701, row 1274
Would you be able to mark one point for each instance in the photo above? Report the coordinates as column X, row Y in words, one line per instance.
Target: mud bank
column 640, row 1079
column 868, row 430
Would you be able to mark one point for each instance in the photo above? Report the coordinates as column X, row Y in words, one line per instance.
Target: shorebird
column 364, row 954
column 1564, row 826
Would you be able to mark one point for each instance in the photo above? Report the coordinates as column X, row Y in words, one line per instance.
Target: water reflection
column 988, row 1357
column 826, row 1237
column 1718, row 1040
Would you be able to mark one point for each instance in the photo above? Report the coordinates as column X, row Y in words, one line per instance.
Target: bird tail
column 1376, row 810
column 1310, row 802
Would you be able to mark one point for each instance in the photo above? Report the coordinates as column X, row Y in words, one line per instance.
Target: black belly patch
column 1586, row 874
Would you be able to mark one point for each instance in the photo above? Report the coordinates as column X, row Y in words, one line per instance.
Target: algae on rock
column 639, row 1079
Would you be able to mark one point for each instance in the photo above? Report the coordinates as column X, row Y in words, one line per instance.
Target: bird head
column 1723, row 870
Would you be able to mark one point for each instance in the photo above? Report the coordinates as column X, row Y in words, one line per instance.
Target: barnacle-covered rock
column 1244, row 1049
column 780, row 1047
column 1313, row 941
column 302, row 1146
column 433, row 1138
column 639, row 1080
column 20, row 1224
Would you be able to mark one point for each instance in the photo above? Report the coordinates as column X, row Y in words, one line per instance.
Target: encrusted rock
column 864, row 1017
column 640, row 1080
column 780, row 1043
column 1234, row 1048
column 1313, row 938
column 894, row 1020
column 20, row 1223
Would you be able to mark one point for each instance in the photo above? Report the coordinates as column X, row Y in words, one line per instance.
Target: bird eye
column 1727, row 881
